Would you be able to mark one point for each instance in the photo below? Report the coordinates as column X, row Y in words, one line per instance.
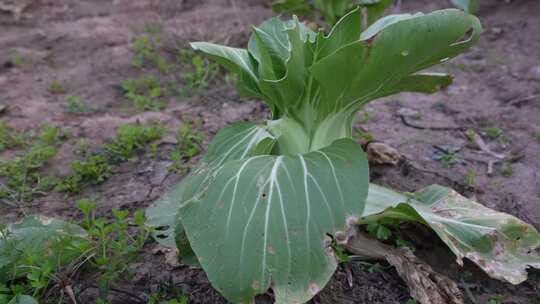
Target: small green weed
column 145, row 93
column 201, row 73
column 411, row 301
column 75, row 105
column 448, row 159
column 470, row 178
column 537, row 136
column 115, row 245
column 146, row 50
column 43, row 254
column 471, row 135
column 152, row 27
column 23, row 180
column 341, row 253
column 56, row 87
column 493, row 132
column 19, row 60
column 93, row 170
column 158, row 299
column 130, row 139
column 189, row 140
column 9, row 138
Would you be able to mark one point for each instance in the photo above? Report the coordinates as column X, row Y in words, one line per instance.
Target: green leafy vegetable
column 262, row 207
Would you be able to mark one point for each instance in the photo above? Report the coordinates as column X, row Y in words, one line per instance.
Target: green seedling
column 19, row 60
column 493, row 132
column 448, row 159
column 23, row 180
column 93, row 170
column 146, row 49
column 115, row 246
column 56, row 87
column 470, row 178
column 10, row 139
column 130, row 139
column 146, row 93
column 201, row 74
column 189, row 140
column 75, row 105
column 341, row 253
column 158, row 299
column 537, row 136
column 153, row 27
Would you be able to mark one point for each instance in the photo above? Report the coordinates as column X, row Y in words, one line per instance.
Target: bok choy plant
column 264, row 205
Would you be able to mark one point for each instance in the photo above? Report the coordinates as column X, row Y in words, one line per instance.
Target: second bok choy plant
column 264, row 206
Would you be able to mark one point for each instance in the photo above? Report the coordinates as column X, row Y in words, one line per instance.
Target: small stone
column 382, row 154
column 410, row 113
column 495, row 33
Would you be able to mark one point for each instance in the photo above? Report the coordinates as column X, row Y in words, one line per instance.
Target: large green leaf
column 22, row 299
column 234, row 142
column 263, row 221
column 35, row 235
column 374, row 65
column 502, row 245
column 237, row 61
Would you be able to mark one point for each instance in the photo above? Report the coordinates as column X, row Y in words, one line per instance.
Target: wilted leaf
column 502, row 245
column 35, row 235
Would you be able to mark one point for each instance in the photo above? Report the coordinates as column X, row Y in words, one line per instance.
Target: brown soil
column 87, row 46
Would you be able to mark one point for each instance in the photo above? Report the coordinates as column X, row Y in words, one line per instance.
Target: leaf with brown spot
column 499, row 243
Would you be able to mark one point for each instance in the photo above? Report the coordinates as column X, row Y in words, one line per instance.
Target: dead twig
column 70, row 293
column 477, row 139
column 415, row 126
column 516, row 102
column 425, row 285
